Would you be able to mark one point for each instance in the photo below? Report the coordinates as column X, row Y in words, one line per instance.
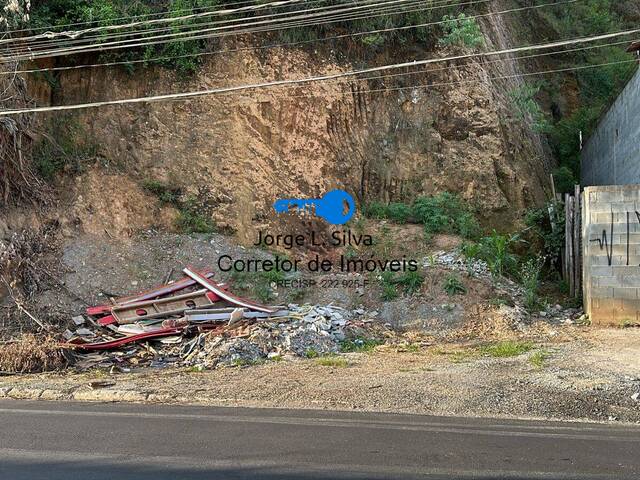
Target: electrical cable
column 238, row 88
column 278, row 45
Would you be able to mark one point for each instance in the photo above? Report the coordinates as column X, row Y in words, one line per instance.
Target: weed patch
column 539, row 358
column 506, row 349
column 332, row 361
column 360, row 345
column 453, row 286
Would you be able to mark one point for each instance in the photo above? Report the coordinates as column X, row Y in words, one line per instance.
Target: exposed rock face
column 388, row 138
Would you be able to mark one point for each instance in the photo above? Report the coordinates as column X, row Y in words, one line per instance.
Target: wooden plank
column 577, row 240
column 565, row 256
column 569, row 242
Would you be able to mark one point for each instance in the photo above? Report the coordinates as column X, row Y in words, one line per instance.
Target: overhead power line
column 182, row 18
column 477, row 80
column 386, row 7
column 171, row 28
column 140, row 16
column 238, row 88
column 468, row 63
column 279, row 45
column 301, row 18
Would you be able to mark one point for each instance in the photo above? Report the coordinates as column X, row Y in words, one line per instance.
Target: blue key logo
column 336, row 207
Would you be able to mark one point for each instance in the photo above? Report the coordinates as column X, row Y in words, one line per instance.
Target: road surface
column 51, row 440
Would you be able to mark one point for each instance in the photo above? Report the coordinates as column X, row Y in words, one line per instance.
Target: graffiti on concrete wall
column 605, row 242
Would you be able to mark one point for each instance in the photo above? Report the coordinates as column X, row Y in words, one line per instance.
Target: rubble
column 181, row 324
column 456, row 261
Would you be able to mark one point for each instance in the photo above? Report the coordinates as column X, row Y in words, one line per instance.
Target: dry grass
column 32, row 354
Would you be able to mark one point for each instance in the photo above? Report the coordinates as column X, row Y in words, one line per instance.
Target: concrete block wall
column 611, row 156
column 611, row 254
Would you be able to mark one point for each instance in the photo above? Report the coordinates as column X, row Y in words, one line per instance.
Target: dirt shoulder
column 588, row 375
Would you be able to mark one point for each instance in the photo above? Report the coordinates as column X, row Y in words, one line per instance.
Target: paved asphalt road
column 51, row 440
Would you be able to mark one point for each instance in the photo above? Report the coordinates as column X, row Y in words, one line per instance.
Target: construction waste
column 199, row 323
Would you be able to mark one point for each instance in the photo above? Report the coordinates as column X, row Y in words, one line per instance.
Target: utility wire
column 192, row 16
column 280, row 45
column 140, row 16
column 172, row 28
column 238, row 88
column 478, row 80
column 305, row 20
column 145, row 34
column 458, row 66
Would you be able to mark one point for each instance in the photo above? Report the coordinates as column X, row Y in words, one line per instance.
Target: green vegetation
column 441, row 213
column 457, row 355
column 547, row 232
column 530, row 279
column 65, row 148
column 496, row 250
column 411, row 282
column 506, row 349
column 462, row 31
column 596, row 87
column 398, row 212
column 453, row 286
column 183, row 55
column 332, row 361
column 446, row 213
column 192, row 216
column 528, row 108
column 241, row 362
column 538, row 358
column 52, row 13
column 311, row 353
column 389, row 290
column 191, row 220
column 360, row 345
column 423, row 35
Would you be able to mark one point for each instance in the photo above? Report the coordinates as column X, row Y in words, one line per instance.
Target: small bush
column 164, row 193
column 527, row 106
column 547, row 229
column 467, row 225
column 496, row 251
column 453, row 286
column 67, row 148
column 398, row 212
column 311, row 353
column 389, row 292
column 564, row 180
column 445, row 213
column 411, row 281
column 462, row 31
column 530, row 278
column 375, row 210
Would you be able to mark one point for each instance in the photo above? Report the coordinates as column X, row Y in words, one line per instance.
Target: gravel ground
column 580, row 379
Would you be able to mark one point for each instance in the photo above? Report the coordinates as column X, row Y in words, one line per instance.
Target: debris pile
column 204, row 327
column 456, row 261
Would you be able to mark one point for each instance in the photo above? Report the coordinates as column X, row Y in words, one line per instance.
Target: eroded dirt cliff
column 388, row 138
